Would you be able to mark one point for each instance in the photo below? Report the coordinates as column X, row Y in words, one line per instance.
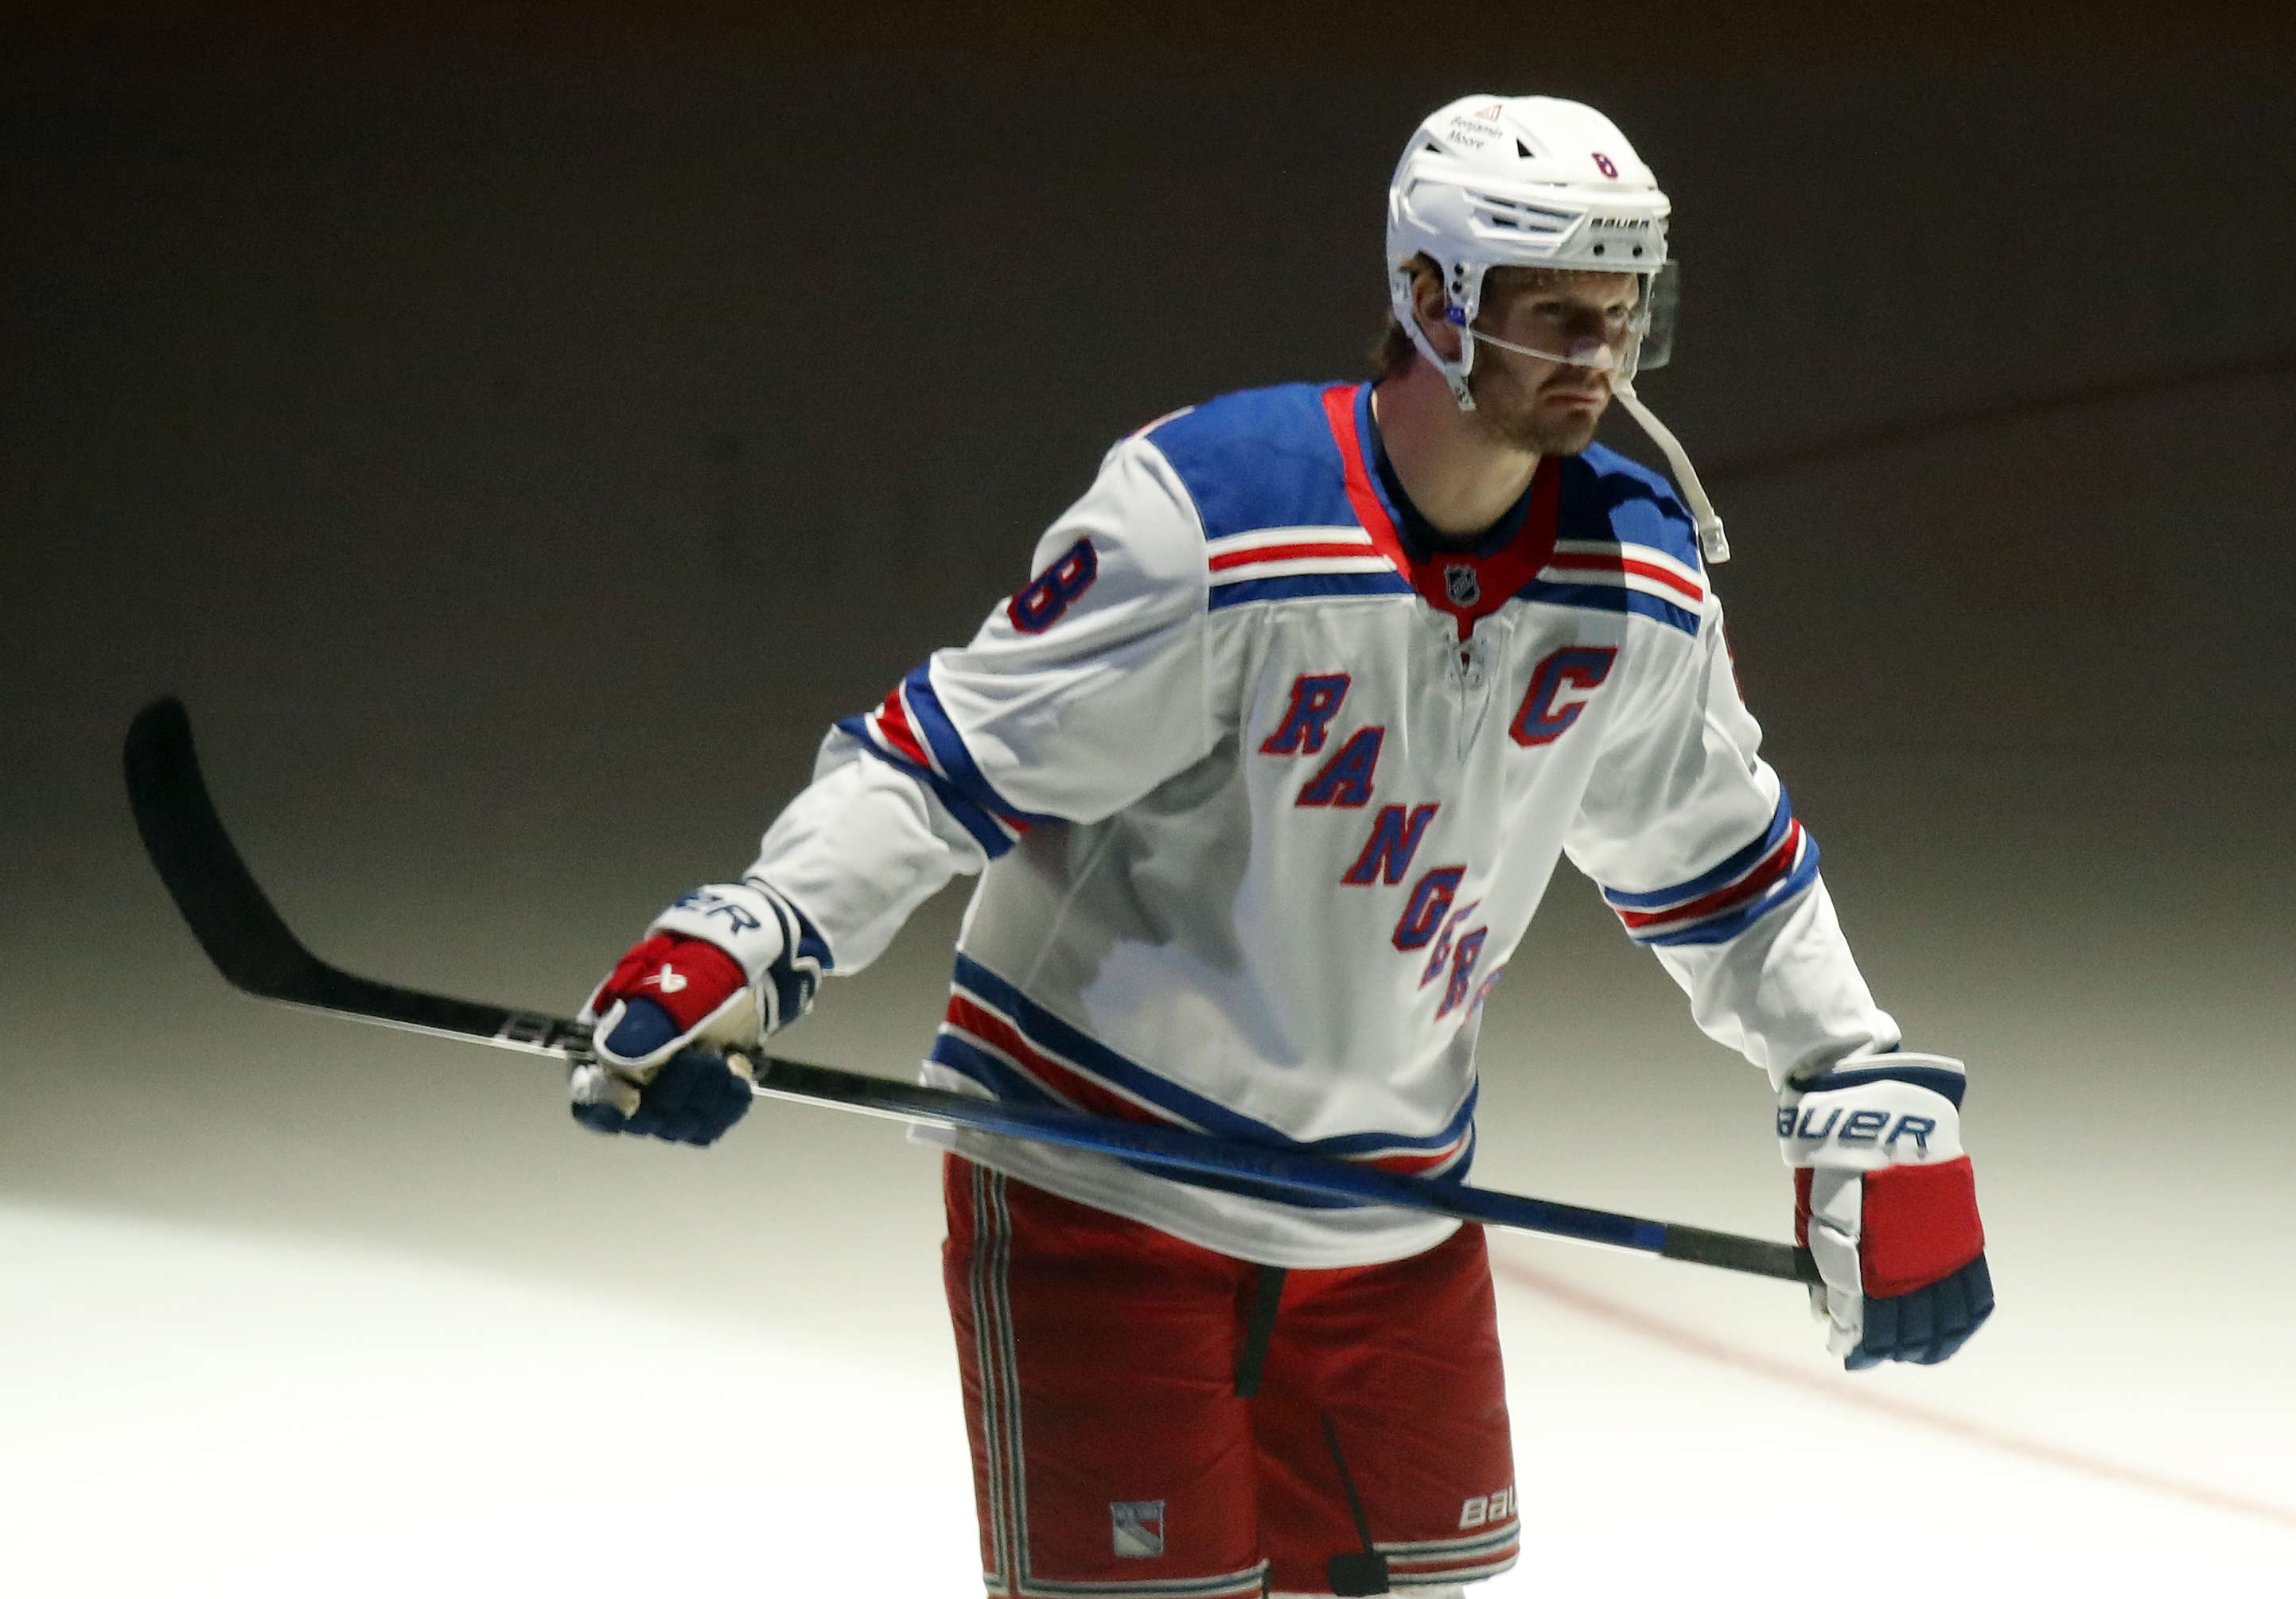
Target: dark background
column 516, row 432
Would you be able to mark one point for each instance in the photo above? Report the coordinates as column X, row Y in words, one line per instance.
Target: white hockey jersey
column 1263, row 802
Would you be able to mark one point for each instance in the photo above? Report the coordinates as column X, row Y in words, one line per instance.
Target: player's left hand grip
column 694, row 1097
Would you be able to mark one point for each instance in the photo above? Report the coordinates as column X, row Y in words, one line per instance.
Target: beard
column 1525, row 415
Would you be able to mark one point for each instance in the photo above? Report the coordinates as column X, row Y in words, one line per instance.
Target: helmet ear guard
column 1489, row 181
column 1461, row 299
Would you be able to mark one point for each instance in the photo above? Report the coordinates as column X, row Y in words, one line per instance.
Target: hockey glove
column 726, row 965
column 1885, row 1200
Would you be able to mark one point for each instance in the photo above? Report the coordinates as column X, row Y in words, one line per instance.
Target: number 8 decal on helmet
column 1053, row 590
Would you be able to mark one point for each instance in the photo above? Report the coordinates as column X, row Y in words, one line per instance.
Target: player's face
column 1533, row 402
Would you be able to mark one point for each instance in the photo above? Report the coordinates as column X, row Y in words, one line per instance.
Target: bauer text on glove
column 1886, row 1202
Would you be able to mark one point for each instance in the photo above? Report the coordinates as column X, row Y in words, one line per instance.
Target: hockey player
column 1264, row 771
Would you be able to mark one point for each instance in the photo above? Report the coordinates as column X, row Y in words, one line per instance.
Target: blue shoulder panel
column 1258, row 458
column 1606, row 495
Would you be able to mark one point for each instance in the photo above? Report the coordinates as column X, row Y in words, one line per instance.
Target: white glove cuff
column 1873, row 1110
column 738, row 917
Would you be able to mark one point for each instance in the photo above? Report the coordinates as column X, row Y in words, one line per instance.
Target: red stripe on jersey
column 1080, row 1091
column 1621, row 563
column 1773, row 865
column 1339, row 410
column 1289, row 552
column 970, row 1016
column 1412, row 1165
column 893, row 725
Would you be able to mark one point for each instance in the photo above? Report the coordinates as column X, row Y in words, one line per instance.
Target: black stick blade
column 210, row 885
column 246, row 939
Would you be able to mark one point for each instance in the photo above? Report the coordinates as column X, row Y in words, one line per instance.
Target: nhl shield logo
column 1138, row 1526
column 1460, row 582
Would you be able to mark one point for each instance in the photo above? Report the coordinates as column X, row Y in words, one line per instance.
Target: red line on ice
column 1659, row 1330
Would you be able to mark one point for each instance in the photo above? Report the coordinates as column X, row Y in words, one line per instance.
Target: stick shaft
column 258, row 953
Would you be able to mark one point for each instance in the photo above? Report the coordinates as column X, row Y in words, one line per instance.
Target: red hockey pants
column 1112, row 1453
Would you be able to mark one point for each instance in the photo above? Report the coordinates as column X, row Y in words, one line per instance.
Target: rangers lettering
column 1314, row 701
column 1559, row 689
column 1047, row 597
column 1393, row 842
column 1431, row 900
column 1463, row 972
column 1443, row 941
column 1483, row 989
column 1346, row 778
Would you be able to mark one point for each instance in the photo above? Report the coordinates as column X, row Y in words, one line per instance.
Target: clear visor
column 1582, row 333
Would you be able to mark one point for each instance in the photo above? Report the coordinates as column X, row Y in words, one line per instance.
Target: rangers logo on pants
column 1138, row 1526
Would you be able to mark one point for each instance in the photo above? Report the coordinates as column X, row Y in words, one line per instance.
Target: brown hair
column 1393, row 352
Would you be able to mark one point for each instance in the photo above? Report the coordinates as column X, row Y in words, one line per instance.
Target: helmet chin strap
column 1711, row 543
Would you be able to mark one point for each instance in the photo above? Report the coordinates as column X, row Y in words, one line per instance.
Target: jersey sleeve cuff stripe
column 949, row 755
column 1773, row 867
column 889, row 726
column 1723, row 928
column 992, row 832
column 1782, row 821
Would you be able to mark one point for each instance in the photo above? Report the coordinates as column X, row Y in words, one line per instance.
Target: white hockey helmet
column 1530, row 181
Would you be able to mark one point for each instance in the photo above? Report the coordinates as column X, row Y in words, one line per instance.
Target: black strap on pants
column 1259, row 1327
column 1358, row 1570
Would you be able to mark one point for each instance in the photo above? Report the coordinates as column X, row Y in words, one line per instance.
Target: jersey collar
column 1464, row 585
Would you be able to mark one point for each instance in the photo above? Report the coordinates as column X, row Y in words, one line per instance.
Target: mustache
column 1595, row 385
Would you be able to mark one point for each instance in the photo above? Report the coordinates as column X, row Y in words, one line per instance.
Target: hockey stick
column 254, row 949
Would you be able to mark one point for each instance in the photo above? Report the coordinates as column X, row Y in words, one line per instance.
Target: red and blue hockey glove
column 726, row 965
column 1885, row 1200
